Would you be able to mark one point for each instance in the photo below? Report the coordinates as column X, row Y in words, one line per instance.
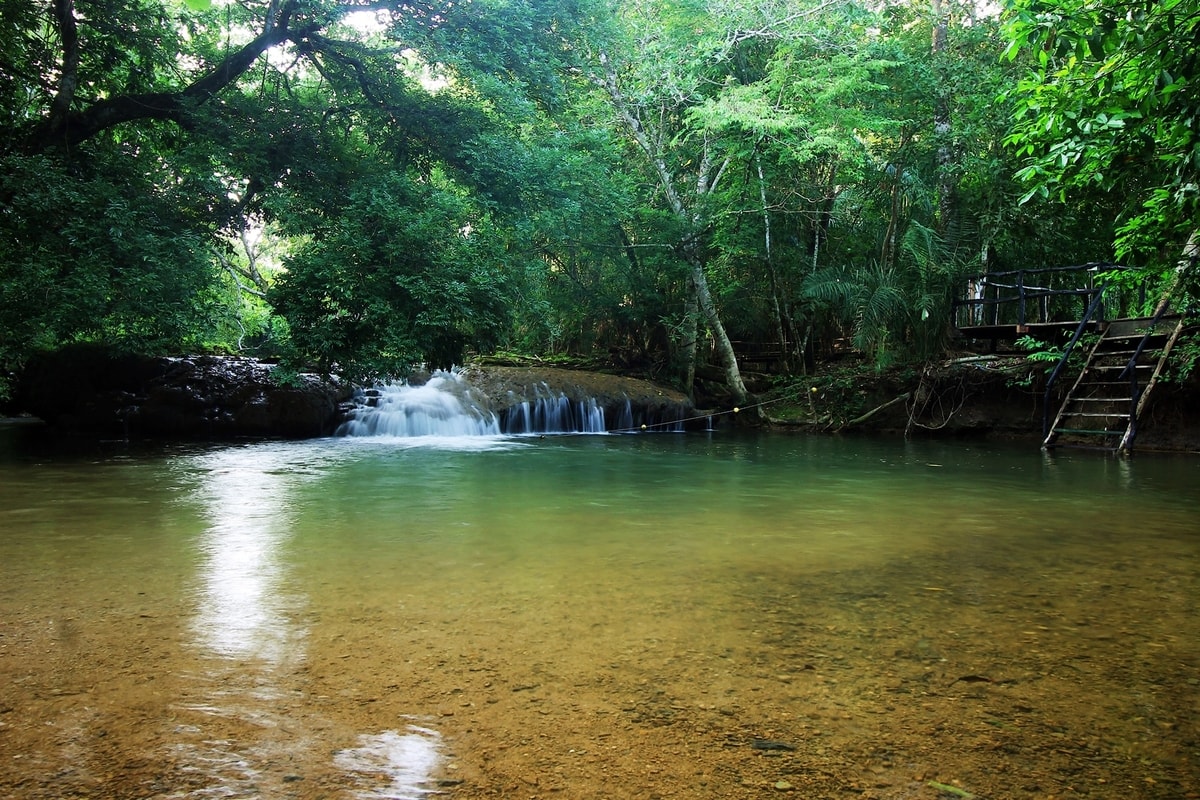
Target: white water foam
column 406, row 762
column 443, row 407
column 472, row 444
column 447, row 407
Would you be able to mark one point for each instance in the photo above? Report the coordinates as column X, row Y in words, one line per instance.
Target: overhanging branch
column 66, row 129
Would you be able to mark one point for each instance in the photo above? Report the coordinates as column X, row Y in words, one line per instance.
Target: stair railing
column 1096, row 303
column 1135, row 391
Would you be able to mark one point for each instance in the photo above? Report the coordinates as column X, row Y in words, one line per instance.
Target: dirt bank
column 994, row 397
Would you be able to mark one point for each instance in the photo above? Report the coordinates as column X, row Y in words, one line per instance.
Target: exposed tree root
column 859, row 420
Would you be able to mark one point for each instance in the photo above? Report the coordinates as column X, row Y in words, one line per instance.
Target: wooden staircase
column 1101, row 410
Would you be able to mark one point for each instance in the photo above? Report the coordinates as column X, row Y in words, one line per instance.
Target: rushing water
column 383, row 617
column 447, row 406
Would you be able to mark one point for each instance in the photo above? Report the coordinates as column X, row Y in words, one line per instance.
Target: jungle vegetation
column 355, row 186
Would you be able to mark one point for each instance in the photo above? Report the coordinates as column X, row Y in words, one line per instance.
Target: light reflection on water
column 320, row 580
column 243, row 600
column 408, row 760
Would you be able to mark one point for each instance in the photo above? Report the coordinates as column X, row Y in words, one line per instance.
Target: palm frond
column 832, row 286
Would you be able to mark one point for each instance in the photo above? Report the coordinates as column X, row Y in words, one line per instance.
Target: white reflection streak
column 406, row 761
column 241, row 610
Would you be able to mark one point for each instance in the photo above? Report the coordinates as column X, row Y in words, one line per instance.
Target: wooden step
column 1126, row 360
column 1120, row 337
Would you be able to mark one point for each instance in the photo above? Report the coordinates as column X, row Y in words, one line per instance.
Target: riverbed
column 701, row 615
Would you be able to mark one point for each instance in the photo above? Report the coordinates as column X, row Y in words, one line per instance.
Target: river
column 709, row 615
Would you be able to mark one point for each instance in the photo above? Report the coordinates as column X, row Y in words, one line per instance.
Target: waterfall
column 442, row 406
column 552, row 412
column 446, row 405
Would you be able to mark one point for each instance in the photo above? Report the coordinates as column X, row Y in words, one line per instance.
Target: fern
column 1039, row 350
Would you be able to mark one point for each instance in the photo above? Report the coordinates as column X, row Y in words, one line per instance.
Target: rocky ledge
column 646, row 402
column 89, row 390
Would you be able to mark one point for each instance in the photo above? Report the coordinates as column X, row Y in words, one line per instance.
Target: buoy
column 643, row 426
column 736, row 409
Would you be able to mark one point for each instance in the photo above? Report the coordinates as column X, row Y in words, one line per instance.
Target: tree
column 649, row 118
column 151, row 134
column 407, row 272
column 849, row 111
column 556, row 174
column 1111, row 104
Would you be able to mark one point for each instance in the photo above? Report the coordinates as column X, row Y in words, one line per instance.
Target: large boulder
column 88, row 389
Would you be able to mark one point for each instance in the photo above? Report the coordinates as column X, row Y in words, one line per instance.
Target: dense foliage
column 1112, row 105
column 359, row 186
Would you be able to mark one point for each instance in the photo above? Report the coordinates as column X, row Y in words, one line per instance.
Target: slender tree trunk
column 888, row 255
column 707, row 177
column 691, row 335
column 942, row 125
column 733, row 375
column 781, row 325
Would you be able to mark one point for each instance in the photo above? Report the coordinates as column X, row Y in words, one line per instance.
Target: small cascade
column 667, row 419
column 625, row 418
column 552, row 413
column 442, row 406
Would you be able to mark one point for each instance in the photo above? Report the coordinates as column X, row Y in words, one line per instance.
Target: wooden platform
column 1009, row 333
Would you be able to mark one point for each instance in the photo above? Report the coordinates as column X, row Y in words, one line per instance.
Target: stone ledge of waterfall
column 505, row 387
column 498, row 382
column 90, row 390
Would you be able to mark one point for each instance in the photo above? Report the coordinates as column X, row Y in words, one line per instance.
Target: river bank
column 203, row 397
column 998, row 397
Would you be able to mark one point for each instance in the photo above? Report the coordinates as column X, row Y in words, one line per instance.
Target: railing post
column 1021, row 296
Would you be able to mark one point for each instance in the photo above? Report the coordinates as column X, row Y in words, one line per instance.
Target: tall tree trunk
column 888, row 254
column 942, row 125
column 691, row 336
column 733, row 375
column 781, row 324
column 707, row 177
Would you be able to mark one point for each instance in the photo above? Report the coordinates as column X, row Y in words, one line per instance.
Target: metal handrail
column 1097, row 301
column 1023, row 293
column 1091, row 266
column 1135, row 392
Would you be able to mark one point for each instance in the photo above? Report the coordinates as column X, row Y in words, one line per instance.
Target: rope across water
column 707, row 415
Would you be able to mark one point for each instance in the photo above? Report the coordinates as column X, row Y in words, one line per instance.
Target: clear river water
column 709, row 615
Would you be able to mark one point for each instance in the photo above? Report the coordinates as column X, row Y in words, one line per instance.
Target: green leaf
column 198, row 5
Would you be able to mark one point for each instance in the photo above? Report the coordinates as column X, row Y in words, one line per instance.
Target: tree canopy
column 362, row 186
column 1110, row 103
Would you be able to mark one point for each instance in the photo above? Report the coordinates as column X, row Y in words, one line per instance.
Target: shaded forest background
column 653, row 185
